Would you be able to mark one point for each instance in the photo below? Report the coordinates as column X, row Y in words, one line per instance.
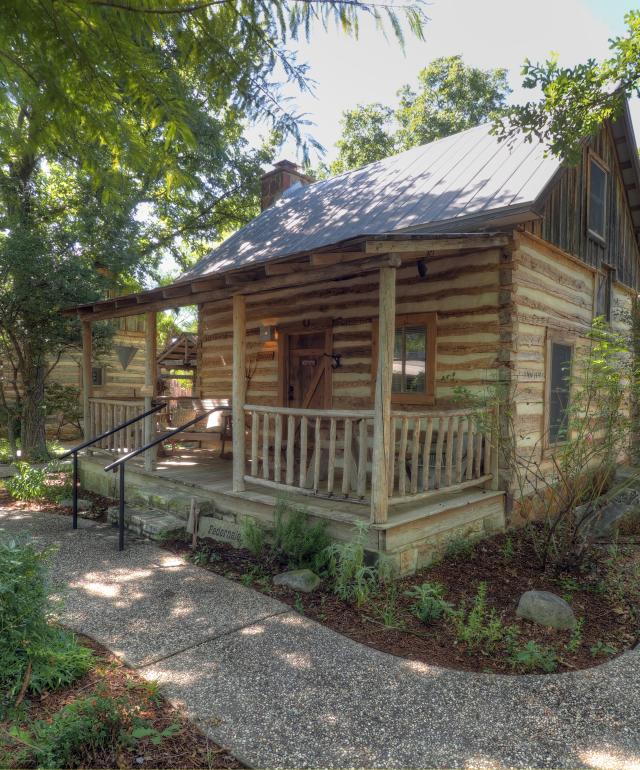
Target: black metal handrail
column 94, row 440
column 120, row 463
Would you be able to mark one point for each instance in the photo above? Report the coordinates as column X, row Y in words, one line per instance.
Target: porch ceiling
column 342, row 260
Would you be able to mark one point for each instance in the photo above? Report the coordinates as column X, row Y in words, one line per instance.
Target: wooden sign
column 218, row 529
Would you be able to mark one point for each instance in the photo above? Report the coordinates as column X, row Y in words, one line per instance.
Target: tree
column 576, row 100
column 365, row 137
column 112, row 108
column 449, row 97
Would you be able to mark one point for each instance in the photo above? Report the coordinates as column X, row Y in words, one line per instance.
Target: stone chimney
column 284, row 175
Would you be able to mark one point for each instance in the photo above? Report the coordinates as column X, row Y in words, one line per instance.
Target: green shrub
column 459, row 547
column 253, row 536
column 429, row 604
column 602, row 649
column 31, row 483
column 78, row 733
column 534, row 657
column 295, row 543
column 480, row 629
column 352, row 579
column 31, row 648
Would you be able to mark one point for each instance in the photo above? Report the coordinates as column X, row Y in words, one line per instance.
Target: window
column 604, row 299
column 97, row 375
column 597, row 202
column 414, row 358
column 559, row 360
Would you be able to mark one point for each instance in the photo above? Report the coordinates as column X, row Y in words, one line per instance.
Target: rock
column 83, row 505
column 298, row 580
column 546, row 609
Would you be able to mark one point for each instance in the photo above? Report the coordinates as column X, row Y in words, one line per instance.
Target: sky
column 487, row 33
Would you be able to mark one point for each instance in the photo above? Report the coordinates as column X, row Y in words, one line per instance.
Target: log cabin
column 339, row 325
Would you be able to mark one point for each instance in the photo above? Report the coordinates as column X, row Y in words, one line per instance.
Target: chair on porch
column 204, row 433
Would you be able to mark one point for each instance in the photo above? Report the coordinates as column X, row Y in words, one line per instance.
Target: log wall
column 564, row 215
column 464, row 290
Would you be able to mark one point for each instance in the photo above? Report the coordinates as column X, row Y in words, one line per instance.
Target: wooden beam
column 383, row 442
column 238, row 389
column 326, row 258
column 436, row 244
column 87, row 379
column 316, row 275
column 285, row 268
column 150, row 382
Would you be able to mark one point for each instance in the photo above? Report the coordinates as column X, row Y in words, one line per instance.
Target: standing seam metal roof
column 465, row 175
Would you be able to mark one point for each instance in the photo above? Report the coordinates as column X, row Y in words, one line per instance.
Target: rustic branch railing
column 320, row 452
column 438, row 451
column 106, row 413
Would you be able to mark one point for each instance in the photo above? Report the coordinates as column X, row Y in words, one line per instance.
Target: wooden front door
column 306, row 367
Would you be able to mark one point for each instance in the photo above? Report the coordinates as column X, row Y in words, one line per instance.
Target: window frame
column 606, row 278
column 430, row 322
column 103, row 376
column 593, row 157
column 554, row 338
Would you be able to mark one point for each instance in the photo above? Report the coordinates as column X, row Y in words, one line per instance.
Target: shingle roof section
column 469, row 174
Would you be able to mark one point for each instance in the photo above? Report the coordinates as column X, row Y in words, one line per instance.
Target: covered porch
column 346, row 453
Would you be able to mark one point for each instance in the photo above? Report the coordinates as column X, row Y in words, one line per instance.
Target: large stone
column 298, row 580
column 83, row 505
column 546, row 609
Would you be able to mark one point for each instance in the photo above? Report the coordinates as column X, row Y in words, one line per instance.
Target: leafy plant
column 34, row 654
column 480, row 628
column 602, row 649
column 429, row 604
column 573, row 645
column 353, row 580
column 534, row 657
column 295, row 543
column 31, row 483
column 78, row 732
column 388, row 611
column 253, row 536
column 508, row 549
column 458, row 547
column 155, row 736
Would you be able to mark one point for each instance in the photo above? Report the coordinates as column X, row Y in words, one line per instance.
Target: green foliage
column 388, row 610
column 32, row 483
column 450, row 96
column 31, row 648
column 534, row 657
column 459, row 547
column 576, row 100
column 353, row 580
column 156, row 736
column 574, row 644
column 253, row 536
column 63, row 402
column 602, row 649
column 78, row 732
column 508, row 549
column 429, row 604
column 480, row 628
column 295, row 542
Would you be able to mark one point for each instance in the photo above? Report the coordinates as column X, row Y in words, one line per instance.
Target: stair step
column 156, row 525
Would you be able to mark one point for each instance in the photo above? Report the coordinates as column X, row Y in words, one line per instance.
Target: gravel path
column 282, row 691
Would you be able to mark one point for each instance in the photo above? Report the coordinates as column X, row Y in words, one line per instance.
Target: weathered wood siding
column 564, row 216
column 553, row 293
column 464, row 290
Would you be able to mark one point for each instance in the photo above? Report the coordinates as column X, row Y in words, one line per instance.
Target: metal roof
column 466, row 176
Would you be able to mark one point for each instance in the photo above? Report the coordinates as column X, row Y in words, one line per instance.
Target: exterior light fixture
column 266, row 333
column 422, row 268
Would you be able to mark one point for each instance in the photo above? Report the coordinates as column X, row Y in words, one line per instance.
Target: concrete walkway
column 282, row 691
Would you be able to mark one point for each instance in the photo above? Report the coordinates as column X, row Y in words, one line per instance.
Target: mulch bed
column 97, row 512
column 188, row 747
column 506, row 564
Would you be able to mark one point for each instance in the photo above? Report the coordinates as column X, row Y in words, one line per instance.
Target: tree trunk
column 34, row 445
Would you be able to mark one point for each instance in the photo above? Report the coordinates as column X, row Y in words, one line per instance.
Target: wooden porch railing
column 106, row 413
column 438, row 451
column 321, row 452
column 328, row 453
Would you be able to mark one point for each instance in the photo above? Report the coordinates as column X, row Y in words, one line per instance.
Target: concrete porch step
column 154, row 524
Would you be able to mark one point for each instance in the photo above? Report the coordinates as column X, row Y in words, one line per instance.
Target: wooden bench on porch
column 205, row 433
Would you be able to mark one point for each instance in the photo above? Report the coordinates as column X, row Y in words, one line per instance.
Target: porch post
column 87, row 379
column 238, row 389
column 382, row 439
column 150, row 385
